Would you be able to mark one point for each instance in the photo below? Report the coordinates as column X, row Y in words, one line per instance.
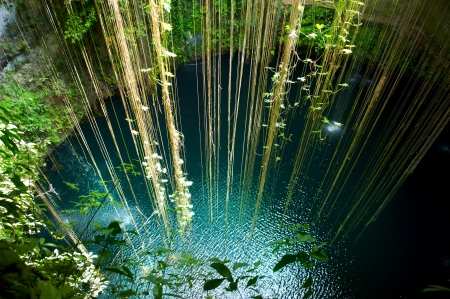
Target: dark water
column 398, row 255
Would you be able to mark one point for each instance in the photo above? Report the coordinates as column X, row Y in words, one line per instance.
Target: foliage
column 436, row 288
column 299, row 250
column 78, row 24
column 28, row 267
column 37, row 113
column 316, row 21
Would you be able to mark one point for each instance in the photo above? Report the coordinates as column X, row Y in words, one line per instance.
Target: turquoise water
column 372, row 267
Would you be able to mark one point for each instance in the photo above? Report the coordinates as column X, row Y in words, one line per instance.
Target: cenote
column 390, row 260
column 224, row 149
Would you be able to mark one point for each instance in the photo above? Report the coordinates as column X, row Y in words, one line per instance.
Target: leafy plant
column 299, row 250
column 78, row 24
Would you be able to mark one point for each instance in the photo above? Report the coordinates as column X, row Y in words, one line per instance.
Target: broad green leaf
column 232, row 287
column 240, row 265
column 308, row 264
column 307, row 283
column 285, row 260
column 157, row 291
column 212, row 284
column 223, row 270
column 252, row 281
column 115, row 225
column 107, row 231
column 303, row 237
column 316, row 247
column 48, row 291
column 319, row 255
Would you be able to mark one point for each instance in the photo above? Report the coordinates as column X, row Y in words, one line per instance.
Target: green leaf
column 316, row 247
column 308, row 294
column 212, row 284
column 121, row 270
column 279, row 242
column 304, row 226
column 161, row 251
column 319, row 255
column 308, row 264
column 285, row 260
column 107, row 231
column 223, row 270
column 157, row 291
column 232, row 287
column 17, row 182
column 72, row 186
column 307, row 283
column 240, row 265
column 11, row 208
column 435, row 288
column 115, row 225
column 128, row 272
column 132, row 232
column 151, row 278
column 106, row 254
column 252, row 281
column 126, row 293
column 304, row 237
column 118, row 242
column 48, row 291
